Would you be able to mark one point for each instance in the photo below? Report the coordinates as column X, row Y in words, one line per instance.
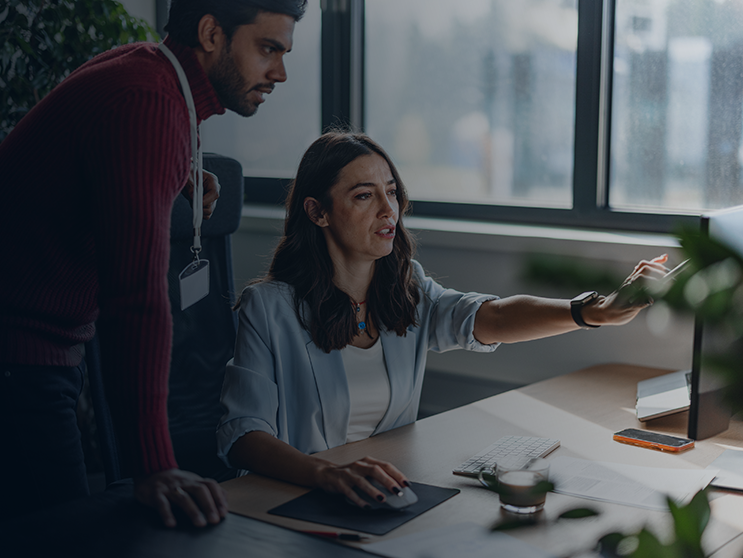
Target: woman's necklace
column 357, row 306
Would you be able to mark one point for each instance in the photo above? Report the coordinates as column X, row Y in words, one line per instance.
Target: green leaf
column 55, row 38
column 578, row 513
column 712, row 288
column 689, row 522
column 608, row 545
column 510, row 524
column 542, row 487
column 650, row 547
column 24, row 45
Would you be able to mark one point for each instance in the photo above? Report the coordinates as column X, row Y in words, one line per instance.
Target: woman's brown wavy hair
column 302, row 259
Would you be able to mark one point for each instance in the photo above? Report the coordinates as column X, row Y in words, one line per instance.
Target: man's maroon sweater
column 87, row 182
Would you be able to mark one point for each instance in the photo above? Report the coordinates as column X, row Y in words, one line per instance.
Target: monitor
column 708, row 415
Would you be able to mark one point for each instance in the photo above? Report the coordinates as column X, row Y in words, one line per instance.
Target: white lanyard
column 196, row 155
column 194, row 279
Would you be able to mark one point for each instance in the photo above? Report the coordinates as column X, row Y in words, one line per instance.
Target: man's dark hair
column 302, row 259
column 184, row 16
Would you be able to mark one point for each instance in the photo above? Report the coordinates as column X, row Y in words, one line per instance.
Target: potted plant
column 43, row 41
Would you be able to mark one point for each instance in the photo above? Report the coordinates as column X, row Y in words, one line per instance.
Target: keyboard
column 519, row 446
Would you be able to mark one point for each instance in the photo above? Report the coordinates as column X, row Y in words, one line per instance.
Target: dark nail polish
column 405, row 483
column 380, row 497
column 397, row 491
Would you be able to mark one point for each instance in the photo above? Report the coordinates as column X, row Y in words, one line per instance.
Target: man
column 88, row 179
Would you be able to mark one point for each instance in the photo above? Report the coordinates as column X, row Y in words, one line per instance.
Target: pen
column 339, row 536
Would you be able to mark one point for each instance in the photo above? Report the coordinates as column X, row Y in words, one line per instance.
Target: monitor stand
column 708, row 414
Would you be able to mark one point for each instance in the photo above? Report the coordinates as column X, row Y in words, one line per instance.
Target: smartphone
column 671, row 275
column 662, row 285
column 653, row 440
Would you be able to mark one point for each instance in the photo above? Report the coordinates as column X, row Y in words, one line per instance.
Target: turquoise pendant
column 362, row 326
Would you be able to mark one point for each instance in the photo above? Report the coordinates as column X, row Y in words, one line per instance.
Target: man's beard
column 230, row 85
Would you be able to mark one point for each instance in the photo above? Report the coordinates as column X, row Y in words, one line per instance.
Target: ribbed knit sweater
column 87, row 181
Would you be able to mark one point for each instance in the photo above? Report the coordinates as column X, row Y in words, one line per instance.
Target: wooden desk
column 581, row 409
column 112, row 525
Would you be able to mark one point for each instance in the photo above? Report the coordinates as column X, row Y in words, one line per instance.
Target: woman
column 332, row 343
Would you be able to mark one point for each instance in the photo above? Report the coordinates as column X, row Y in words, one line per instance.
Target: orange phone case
column 653, row 445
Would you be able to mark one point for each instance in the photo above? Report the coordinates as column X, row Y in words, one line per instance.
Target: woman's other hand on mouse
column 341, row 479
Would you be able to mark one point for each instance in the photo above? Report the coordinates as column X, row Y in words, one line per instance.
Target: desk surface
column 582, row 409
column 112, row 525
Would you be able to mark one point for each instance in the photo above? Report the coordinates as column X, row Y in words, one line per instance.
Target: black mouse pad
column 332, row 509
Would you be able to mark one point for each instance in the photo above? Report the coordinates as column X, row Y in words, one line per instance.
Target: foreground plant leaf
column 650, row 547
column 689, row 522
column 578, row 513
column 608, row 545
column 512, row 524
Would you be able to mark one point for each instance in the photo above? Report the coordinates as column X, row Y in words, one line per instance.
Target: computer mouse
column 392, row 501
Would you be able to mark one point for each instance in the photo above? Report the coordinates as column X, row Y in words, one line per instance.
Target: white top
column 369, row 388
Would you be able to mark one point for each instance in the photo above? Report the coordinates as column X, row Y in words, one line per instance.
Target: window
column 624, row 114
column 677, row 105
column 271, row 142
column 620, row 114
column 475, row 100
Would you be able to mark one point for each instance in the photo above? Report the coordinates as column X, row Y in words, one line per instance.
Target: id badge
column 194, row 282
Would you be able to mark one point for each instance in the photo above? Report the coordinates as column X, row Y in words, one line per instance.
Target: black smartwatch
column 576, row 307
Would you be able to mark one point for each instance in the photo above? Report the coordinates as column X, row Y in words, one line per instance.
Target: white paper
column 463, row 539
column 631, row 485
column 730, row 474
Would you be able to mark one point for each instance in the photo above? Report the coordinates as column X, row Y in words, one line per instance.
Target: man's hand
column 211, row 192
column 203, row 500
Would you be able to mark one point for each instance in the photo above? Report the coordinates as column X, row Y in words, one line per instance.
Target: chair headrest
column 226, row 217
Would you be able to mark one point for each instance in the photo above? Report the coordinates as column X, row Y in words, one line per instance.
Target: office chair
column 203, row 336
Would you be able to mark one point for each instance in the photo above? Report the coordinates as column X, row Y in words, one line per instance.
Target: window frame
column 591, row 163
column 342, row 83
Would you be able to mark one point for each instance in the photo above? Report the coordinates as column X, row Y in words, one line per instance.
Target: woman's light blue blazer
column 280, row 382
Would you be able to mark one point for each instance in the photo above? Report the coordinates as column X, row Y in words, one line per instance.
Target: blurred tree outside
column 43, row 41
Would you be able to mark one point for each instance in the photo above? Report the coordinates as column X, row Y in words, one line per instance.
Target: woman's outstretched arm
column 523, row 317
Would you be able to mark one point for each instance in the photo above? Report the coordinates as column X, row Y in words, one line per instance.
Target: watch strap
column 576, row 309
